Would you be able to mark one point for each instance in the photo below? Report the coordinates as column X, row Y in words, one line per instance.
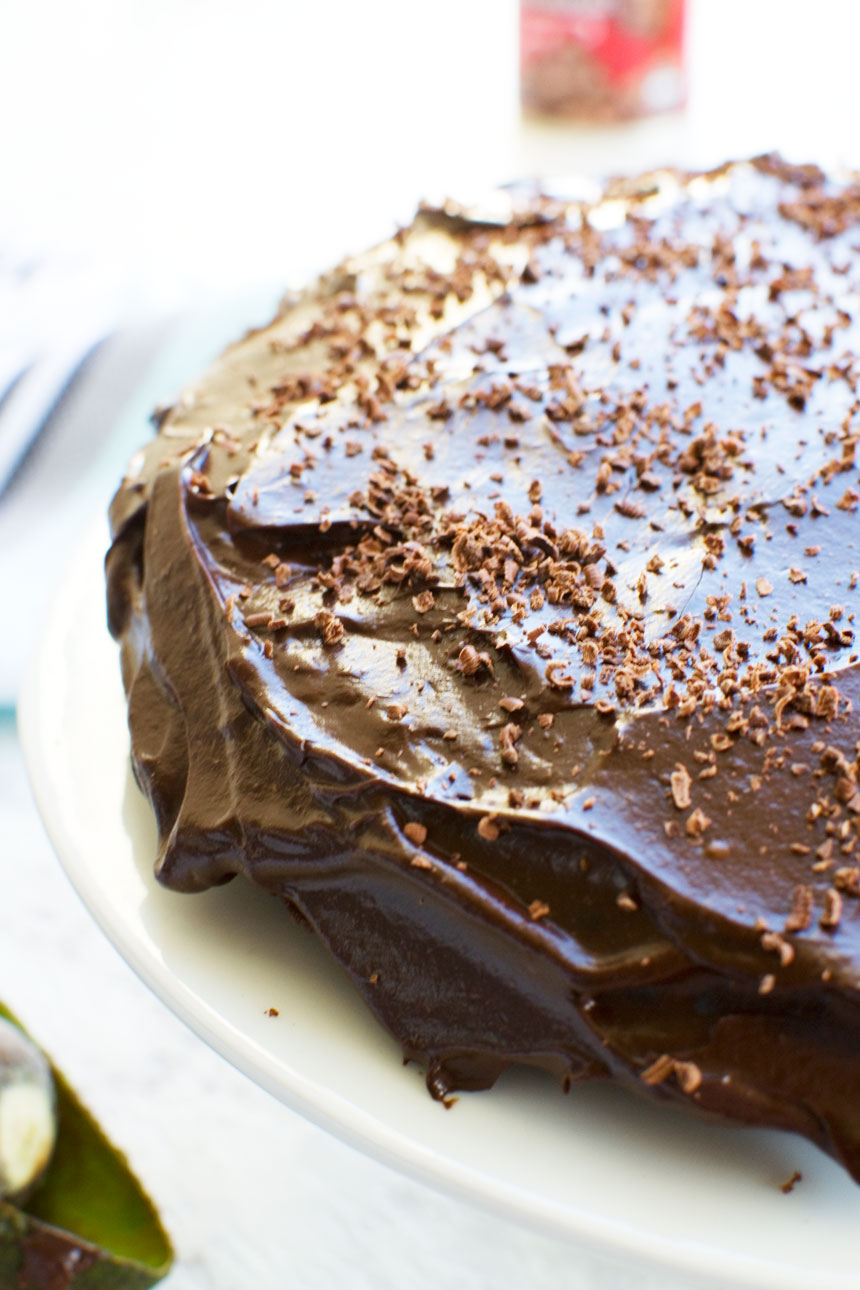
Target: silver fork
column 48, row 329
column 30, row 397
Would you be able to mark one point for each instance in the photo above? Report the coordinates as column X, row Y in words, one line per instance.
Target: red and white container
column 602, row 60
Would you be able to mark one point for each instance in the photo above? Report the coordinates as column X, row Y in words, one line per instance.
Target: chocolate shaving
column 508, row 737
column 424, row 601
column 330, row 626
column 801, row 910
column 680, row 782
column 832, row 915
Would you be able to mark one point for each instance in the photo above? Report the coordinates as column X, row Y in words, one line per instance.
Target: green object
column 28, row 1114
column 89, row 1225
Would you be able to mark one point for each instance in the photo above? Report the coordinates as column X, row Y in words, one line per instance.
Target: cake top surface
column 547, row 514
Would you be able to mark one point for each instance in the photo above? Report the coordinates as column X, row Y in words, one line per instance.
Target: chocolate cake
column 495, row 608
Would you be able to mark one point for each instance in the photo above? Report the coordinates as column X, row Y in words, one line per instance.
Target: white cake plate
column 694, row 1204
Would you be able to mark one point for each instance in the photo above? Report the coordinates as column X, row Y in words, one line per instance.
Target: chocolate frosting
column 494, row 607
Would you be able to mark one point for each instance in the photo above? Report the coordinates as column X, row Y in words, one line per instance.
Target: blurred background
column 194, row 147
column 166, row 169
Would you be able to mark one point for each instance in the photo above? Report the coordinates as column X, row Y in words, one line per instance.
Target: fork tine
column 10, row 375
column 31, row 398
column 13, row 364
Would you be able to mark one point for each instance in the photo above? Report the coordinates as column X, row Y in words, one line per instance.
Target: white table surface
column 190, row 150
